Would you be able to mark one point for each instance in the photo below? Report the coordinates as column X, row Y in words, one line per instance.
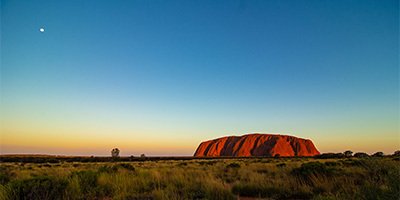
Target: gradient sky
column 159, row 77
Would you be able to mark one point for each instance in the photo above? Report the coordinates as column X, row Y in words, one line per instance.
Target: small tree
column 143, row 155
column 360, row 155
column 378, row 154
column 115, row 154
column 396, row 153
column 348, row 153
column 339, row 155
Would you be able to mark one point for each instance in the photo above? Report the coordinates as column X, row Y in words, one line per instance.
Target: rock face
column 257, row 145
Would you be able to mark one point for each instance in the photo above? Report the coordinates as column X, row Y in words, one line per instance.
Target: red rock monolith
column 257, row 145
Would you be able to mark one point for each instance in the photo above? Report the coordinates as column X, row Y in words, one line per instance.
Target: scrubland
column 258, row 178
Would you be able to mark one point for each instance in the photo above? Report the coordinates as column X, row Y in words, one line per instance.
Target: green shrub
column 357, row 162
column 195, row 192
column 207, row 163
column 88, row 183
column 217, row 191
column 266, row 161
column 182, row 164
column 281, row 165
column 233, row 166
column 316, row 168
column 5, row 175
column 269, row 191
column 125, row 166
column 262, row 171
column 246, row 190
column 4, row 178
column 376, row 193
column 361, row 155
column 114, row 168
column 332, row 164
column 42, row 187
column 108, row 169
column 378, row 154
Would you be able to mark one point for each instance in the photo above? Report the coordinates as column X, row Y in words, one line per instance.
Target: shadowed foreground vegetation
column 261, row 178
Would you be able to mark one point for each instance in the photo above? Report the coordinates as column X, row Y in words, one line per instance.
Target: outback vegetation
column 347, row 177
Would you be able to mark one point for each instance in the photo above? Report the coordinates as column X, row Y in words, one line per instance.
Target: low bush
column 350, row 162
column 207, row 162
column 108, row 169
column 361, row 155
column 5, row 175
column 231, row 173
column 306, row 170
column 182, row 164
column 88, row 184
column 262, row 171
column 125, row 166
column 233, row 166
column 281, row 165
column 378, row 193
column 270, row 191
column 246, row 190
column 41, row 187
column 332, row 164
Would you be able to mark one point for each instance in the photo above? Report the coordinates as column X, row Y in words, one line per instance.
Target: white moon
column 41, row 30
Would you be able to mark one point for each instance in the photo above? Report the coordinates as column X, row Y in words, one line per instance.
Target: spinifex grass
column 270, row 178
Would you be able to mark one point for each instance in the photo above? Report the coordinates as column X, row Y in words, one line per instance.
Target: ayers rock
column 257, row 145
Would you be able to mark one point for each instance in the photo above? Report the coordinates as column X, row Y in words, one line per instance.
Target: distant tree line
column 116, row 157
column 34, row 159
column 349, row 153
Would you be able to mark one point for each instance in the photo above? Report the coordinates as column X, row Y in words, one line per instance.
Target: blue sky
column 159, row 77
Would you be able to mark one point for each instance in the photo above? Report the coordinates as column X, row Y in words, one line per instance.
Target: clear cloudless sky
column 159, row 77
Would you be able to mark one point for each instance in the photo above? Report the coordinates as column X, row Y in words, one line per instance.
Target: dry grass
column 268, row 178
